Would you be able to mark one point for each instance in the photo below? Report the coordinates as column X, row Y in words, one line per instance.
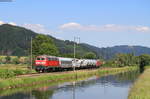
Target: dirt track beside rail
column 62, row 72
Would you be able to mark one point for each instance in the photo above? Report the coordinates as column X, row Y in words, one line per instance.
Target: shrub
column 6, row 73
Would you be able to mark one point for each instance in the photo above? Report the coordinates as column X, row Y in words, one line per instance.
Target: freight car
column 45, row 63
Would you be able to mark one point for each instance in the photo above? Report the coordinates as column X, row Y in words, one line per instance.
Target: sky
column 102, row 23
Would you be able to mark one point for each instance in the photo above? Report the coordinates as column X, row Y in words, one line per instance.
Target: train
column 46, row 63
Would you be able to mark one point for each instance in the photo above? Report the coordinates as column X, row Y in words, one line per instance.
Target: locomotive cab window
column 38, row 59
column 42, row 58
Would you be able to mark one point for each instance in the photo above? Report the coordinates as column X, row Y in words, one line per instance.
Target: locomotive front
column 45, row 63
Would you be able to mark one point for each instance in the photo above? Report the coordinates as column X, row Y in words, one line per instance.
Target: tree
column 42, row 44
column 90, row 55
column 15, row 60
column 125, row 59
column 8, row 58
column 144, row 60
column 71, row 55
column 1, row 60
column 120, row 59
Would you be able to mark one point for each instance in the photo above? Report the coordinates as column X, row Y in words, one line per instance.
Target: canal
column 107, row 87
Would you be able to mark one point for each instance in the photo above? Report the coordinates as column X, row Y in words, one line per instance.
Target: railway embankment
column 141, row 88
column 32, row 80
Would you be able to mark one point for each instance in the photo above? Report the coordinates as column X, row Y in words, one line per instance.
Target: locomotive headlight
column 43, row 62
column 40, row 63
column 37, row 62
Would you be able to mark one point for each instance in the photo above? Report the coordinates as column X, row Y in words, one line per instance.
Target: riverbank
column 141, row 88
column 17, row 82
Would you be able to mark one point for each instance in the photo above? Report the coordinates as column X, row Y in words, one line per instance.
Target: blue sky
column 98, row 22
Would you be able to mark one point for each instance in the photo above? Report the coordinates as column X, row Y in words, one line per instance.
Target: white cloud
column 71, row 25
column 143, row 28
column 12, row 23
column 1, row 22
column 34, row 27
column 37, row 28
column 103, row 28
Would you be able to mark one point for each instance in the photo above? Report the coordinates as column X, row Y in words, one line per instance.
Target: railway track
column 57, row 72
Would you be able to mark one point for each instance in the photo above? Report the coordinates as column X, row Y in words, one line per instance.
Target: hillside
column 15, row 40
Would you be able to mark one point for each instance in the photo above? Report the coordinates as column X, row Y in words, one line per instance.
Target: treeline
column 43, row 45
column 122, row 60
column 14, row 60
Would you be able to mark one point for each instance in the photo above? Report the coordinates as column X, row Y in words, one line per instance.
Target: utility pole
column 78, row 38
column 74, row 54
column 31, row 53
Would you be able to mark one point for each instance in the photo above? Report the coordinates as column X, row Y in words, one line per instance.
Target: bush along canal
column 90, row 84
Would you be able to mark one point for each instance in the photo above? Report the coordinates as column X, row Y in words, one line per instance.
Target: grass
column 11, row 70
column 147, row 67
column 13, row 66
column 141, row 88
column 17, row 82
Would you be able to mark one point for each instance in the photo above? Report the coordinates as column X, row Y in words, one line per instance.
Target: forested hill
column 109, row 52
column 15, row 40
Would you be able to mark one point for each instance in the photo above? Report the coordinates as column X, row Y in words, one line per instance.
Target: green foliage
column 8, row 58
column 2, row 60
column 125, row 59
column 44, row 45
column 90, row 55
column 8, row 73
column 14, row 40
column 71, row 55
column 121, row 60
column 110, row 63
column 144, row 60
column 15, row 60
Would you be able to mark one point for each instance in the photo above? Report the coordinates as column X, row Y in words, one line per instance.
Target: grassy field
column 16, row 82
column 13, row 66
column 141, row 88
column 11, row 70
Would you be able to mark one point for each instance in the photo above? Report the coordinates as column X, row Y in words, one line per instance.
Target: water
column 106, row 87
